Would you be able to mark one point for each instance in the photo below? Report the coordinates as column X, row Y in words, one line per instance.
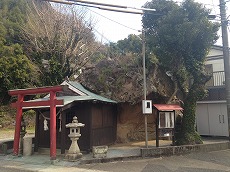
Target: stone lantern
column 74, row 152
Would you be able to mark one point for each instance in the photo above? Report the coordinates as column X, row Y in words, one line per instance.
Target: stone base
column 27, row 146
column 73, row 157
column 100, row 151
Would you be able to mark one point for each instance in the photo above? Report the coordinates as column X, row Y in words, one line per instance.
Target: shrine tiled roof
column 79, row 93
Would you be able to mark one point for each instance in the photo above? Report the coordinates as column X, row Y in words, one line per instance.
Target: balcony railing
column 218, row 79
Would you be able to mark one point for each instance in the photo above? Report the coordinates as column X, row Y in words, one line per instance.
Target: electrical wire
column 113, row 20
column 88, row 6
column 102, row 6
column 107, row 39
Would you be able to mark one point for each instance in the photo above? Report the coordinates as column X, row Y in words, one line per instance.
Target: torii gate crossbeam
column 52, row 102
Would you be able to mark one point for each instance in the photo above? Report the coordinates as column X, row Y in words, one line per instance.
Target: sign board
column 147, row 106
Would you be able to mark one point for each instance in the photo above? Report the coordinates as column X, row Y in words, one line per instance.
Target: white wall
column 215, row 57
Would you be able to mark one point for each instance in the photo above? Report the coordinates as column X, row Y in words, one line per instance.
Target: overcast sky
column 110, row 31
column 113, row 31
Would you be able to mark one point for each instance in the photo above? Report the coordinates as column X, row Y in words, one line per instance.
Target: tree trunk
column 187, row 135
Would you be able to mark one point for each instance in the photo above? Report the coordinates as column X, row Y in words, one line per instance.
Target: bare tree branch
column 59, row 31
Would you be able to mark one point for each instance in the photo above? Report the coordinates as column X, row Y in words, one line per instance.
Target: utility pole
column 224, row 27
column 144, row 86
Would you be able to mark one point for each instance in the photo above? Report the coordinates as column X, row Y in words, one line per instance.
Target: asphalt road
column 218, row 161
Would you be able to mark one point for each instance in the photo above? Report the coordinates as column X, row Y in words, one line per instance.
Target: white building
column 211, row 112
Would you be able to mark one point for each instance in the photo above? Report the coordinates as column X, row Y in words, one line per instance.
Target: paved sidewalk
column 118, row 152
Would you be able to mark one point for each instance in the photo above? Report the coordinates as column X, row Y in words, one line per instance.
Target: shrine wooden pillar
column 37, row 128
column 18, row 124
column 52, row 126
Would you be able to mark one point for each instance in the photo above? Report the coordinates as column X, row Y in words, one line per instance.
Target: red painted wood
column 38, row 103
column 18, row 124
column 32, row 91
column 52, row 103
column 52, row 126
column 167, row 107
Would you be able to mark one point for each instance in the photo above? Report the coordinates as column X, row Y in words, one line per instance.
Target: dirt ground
column 6, row 133
column 9, row 133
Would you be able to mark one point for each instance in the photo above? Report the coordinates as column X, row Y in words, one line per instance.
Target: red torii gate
column 52, row 102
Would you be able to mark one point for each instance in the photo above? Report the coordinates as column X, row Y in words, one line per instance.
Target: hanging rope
column 45, row 125
column 47, row 117
column 45, row 122
column 60, row 123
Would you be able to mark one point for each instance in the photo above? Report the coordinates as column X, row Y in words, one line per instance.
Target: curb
column 106, row 160
column 151, row 152
column 179, row 150
column 162, row 151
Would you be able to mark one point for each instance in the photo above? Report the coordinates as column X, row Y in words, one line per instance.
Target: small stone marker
column 27, row 146
column 100, row 151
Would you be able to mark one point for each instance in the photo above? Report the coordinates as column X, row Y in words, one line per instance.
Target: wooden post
column 157, row 129
column 63, row 132
column 173, row 129
column 37, row 128
column 52, row 126
column 18, row 124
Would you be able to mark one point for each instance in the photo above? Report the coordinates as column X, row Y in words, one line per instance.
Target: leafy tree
column 131, row 44
column 180, row 38
column 12, row 16
column 16, row 70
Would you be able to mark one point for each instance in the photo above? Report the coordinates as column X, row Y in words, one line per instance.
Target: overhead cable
column 110, row 5
column 114, row 21
column 104, row 6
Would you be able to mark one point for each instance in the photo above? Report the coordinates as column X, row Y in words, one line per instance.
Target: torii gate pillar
column 52, row 103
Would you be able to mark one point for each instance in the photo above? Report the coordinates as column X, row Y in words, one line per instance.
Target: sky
column 108, row 30
column 112, row 31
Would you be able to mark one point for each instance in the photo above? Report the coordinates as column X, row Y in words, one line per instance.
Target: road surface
column 217, row 161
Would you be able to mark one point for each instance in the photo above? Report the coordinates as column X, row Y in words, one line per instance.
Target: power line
column 114, row 21
column 111, row 5
column 104, row 6
column 109, row 9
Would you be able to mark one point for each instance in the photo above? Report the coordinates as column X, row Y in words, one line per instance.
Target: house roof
column 167, row 107
column 79, row 94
